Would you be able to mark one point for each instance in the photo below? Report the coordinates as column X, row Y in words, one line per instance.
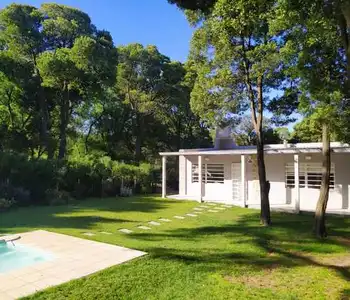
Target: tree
column 143, row 85
column 238, row 63
column 60, row 98
column 21, row 37
column 71, row 60
column 317, row 48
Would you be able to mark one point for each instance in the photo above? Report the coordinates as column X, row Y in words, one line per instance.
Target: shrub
column 56, row 197
column 21, row 196
column 6, row 203
column 33, row 181
column 21, row 175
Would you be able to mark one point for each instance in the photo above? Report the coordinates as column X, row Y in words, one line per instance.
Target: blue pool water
column 18, row 256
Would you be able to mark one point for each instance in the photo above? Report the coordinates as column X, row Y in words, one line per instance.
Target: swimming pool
column 16, row 256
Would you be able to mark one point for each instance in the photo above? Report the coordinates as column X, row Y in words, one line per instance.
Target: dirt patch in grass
column 329, row 273
column 342, row 261
column 267, row 279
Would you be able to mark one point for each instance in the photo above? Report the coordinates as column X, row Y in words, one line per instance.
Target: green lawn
column 224, row 255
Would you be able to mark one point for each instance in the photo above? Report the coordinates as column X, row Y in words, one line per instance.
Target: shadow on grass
column 64, row 216
column 287, row 243
column 51, row 221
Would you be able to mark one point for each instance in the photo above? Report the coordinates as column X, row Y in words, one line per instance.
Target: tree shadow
column 146, row 204
column 60, row 222
column 288, row 243
column 80, row 215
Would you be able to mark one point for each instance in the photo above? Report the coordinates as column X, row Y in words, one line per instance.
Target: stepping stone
column 212, row 204
column 204, row 206
column 212, row 210
column 191, row 215
column 144, row 227
column 199, row 212
column 227, row 206
column 164, row 220
column 88, row 234
column 197, row 208
column 154, row 223
column 179, row 217
column 127, row 231
column 105, row 232
column 221, row 208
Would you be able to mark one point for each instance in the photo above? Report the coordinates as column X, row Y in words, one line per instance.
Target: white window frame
column 211, row 173
column 307, row 170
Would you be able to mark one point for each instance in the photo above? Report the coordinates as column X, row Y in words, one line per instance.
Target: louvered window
column 310, row 175
column 211, row 173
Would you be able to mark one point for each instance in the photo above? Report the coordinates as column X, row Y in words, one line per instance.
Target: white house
column 229, row 175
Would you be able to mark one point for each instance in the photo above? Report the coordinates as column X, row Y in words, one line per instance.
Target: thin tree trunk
column 44, row 113
column 139, row 135
column 257, row 119
column 64, row 118
column 320, row 213
column 87, row 137
column 265, row 216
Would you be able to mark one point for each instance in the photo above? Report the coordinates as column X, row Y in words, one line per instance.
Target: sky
column 149, row 22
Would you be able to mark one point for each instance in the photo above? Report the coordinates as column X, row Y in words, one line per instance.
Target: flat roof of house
column 269, row 149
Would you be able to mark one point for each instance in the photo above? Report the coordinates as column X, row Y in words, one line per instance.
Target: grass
column 224, row 255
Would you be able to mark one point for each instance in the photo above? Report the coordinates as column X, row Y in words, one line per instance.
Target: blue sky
column 143, row 21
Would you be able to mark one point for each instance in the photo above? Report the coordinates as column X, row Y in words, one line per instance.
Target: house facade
column 294, row 171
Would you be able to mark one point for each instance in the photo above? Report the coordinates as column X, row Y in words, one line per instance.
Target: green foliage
column 63, row 84
column 6, row 203
column 34, row 181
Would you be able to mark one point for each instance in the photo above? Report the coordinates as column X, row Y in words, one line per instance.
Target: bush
column 22, row 176
column 6, row 203
column 35, row 181
column 56, row 197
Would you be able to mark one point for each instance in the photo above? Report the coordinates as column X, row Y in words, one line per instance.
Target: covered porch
column 239, row 182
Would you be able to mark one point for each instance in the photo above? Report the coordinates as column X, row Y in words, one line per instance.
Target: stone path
column 191, row 215
column 164, row 220
column 201, row 209
column 88, row 234
column 154, row 223
column 144, row 227
column 127, row 231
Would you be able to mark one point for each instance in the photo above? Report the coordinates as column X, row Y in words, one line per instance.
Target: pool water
column 17, row 256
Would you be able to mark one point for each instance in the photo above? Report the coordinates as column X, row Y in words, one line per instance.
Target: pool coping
column 73, row 258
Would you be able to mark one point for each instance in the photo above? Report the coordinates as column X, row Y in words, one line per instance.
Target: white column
column 200, row 175
column 163, row 176
column 243, row 180
column 296, row 183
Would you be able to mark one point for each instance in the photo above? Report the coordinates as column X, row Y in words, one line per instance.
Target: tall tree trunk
column 44, row 114
column 139, row 135
column 178, row 134
column 44, row 128
column 320, row 213
column 64, row 119
column 265, row 216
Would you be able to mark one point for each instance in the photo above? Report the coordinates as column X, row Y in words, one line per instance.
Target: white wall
column 279, row 194
column 182, row 175
column 275, row 169
column 221, row 192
